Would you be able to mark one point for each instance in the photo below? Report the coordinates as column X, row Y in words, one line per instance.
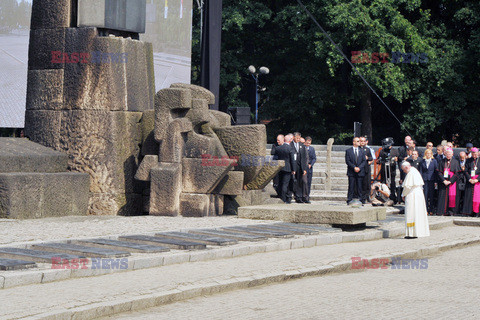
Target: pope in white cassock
column 416, row 221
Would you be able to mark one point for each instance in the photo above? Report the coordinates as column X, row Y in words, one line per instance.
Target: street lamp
column 253, row 72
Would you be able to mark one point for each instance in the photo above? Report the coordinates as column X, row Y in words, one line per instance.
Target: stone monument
column 91, row 95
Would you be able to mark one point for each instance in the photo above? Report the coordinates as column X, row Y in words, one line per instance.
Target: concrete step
column 328, row 196
column 335, row 187
column 23, row 155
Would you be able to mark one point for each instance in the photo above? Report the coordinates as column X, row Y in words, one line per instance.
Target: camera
column 377, row 188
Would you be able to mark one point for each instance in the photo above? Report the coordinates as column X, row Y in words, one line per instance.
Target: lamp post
column 255, row 75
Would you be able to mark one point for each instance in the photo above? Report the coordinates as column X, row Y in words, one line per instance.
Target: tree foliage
column 313, row 90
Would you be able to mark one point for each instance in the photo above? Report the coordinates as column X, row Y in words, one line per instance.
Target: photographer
column 388, row 159
column 380, row 195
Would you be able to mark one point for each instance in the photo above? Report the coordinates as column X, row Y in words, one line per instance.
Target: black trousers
column 429, row 192
column 309, row 182
column 284, row 178
column 300, row 187
column 355, row 189
column 367, row 182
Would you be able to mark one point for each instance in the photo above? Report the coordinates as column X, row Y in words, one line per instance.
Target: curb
column 105, row 309
column 465, row 222
column 12, row 279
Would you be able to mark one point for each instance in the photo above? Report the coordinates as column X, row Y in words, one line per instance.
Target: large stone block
column 165, row 190
column 39, row 195
column 45, row 89
column 22, row 155
column 231, row 184
column 197, row 92
column 199, row 145
column 101, row 83
column 244, row 142
column 139, row 90
column 199, row 178
column 223, row 119
column 143, row 172
column 42, row 43
column 267, row 173
column 43, row 127
column 172, row 147
column 216, row 205
column 147, row 124
column 194, row 205
column 170, row 104
column 51, row 14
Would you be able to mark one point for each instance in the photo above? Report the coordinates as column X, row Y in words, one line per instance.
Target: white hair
column 406, row 164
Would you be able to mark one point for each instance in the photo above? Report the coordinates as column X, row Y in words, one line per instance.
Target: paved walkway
column 83, row 293
column 448, row 289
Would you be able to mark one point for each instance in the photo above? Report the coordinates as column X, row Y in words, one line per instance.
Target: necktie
column 356, row 155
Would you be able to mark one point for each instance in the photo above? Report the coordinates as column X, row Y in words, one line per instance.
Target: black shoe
column 298, row 201
column 410, row 237
column 306, row 201
column 288, row 201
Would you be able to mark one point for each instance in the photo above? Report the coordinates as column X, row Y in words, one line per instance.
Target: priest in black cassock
column 448, row 174
column 471, row 202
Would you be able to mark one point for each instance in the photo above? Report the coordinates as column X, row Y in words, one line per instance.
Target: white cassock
column 416, row 221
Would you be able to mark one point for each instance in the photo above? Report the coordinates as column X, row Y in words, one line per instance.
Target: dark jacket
column 302, row 157
column 359, row 162
column 312, row 157
column 429, row 174
column 285, row 153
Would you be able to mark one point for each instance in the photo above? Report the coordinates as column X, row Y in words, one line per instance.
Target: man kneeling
column 416, row 221
column 380, row 195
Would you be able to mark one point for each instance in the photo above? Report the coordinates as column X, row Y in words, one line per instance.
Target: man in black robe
column 472, row 174
column 447, row 174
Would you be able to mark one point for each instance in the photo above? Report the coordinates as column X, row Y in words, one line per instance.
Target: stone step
column 216, row 241
column 71, row 248
column 32, row 195
column 14, row 264
column 335, row 180
column 335, row 187
column 284, row 228
column 122, row 245
column 171, row 243
column 36, row 255
column 23, row 155
column 330, row 196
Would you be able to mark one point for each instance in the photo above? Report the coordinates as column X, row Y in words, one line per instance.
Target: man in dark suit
column 301, row 160
column 367, row 180
column 284, row 152
column 356, row 160
column 312, row 158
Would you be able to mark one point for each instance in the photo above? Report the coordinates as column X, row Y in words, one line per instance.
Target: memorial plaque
column 266, row 233
column 13, row 264
column 229, row 234
column 36, row 255
column 84, row 250
column 123, row 245
column 217, row 241
column 171, row 243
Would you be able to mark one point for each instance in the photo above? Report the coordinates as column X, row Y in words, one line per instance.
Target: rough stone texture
column 39, row 195
column 100, row 86
column 173, row 146
column 238, row 141
column 138, row 67
column 199, row 145
column 231, row 184
column 42, row 43
column 223, row 119
column 195, row 205
column 50, row 14
column 198, row 178
column 43, row 127
column 250, row 198
column 170, row 104
column 165, row 190
column 315, row 213
column 197, row 92
column 143, row 172
column 266, row 174
column 22, row 155
column 147, row 124
column 45, row 89
column 216, row 205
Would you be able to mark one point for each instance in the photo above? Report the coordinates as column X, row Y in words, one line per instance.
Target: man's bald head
column 280, row 139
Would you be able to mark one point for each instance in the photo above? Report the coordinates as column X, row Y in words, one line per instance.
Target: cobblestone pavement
column 448, row 289
column 29, row 300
